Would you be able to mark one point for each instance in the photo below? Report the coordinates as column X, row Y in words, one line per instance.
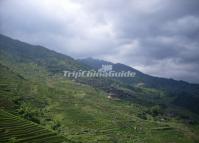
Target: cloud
column 157, row 37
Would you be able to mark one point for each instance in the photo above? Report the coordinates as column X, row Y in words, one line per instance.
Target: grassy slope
column 90, row 117
column 84, row 114
column 15, row 129
column 13, row 88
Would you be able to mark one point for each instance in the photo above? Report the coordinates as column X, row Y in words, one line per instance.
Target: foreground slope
column 82, row 114
column 15, row 129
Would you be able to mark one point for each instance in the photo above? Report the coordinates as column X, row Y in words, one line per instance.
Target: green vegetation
column 37, row 104
column 17, row 130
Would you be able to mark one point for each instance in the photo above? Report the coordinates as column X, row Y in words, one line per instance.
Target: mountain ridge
column 86, row 61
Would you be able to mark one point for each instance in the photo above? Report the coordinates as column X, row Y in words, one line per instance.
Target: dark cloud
column 158, row 37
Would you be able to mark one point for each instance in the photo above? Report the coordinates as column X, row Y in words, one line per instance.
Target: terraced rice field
column 14, row 129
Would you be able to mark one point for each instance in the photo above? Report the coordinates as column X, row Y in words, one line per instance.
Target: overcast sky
column 158, row 37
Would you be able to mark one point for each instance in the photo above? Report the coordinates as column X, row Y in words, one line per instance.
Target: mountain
column 20, row 52
column 37, row 103
column 149, row 81
column 183, row 91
